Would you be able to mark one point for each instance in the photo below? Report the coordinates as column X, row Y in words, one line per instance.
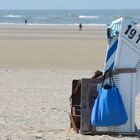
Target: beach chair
column 124, row 52
column 123, row 57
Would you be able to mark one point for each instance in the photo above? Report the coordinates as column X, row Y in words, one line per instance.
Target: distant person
column 80, row 27
column 26, row 22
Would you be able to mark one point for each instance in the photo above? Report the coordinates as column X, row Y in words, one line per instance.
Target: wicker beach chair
column 123, row 57
column 124, row 52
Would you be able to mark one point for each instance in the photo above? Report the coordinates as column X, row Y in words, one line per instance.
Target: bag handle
column 110, row 78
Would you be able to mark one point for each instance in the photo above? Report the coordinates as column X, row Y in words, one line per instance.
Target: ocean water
column 66, row 16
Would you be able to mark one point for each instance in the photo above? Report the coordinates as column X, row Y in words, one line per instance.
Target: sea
column 66, row 17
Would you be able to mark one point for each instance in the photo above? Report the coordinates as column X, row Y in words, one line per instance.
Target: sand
column 37, row 65
column 52, row 46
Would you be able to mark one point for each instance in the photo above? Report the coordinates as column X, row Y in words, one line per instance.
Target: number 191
column 132, row 33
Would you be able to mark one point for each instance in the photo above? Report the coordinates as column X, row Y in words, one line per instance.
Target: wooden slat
column 114, row 72
column 88, row 90
column 72, row 124
column 75, row 105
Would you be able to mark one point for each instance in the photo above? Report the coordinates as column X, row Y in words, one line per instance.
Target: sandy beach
column 37, row 65
column 52, row 46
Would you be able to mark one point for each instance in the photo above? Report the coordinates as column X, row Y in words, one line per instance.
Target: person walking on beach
column 80, row 27
column 25, row 22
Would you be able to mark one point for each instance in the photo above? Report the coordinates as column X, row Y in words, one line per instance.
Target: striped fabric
column 115, row 28
column 110, row 57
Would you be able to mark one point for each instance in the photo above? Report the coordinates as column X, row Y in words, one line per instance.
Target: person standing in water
column 80, row 27
column 25, row 22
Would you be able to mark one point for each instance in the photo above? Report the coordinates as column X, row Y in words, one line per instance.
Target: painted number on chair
column 131, row 33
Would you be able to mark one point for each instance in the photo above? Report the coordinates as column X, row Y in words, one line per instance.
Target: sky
column 69, row 4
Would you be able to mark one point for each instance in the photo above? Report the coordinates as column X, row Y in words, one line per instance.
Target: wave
column 34, row 24
column 73, row 15
column 88, row 17
column 48, row 17
column 13, row 16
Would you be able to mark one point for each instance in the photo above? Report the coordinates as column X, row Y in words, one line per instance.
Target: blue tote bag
column 108, row 109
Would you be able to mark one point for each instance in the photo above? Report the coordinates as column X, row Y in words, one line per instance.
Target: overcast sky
column 69, row 4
